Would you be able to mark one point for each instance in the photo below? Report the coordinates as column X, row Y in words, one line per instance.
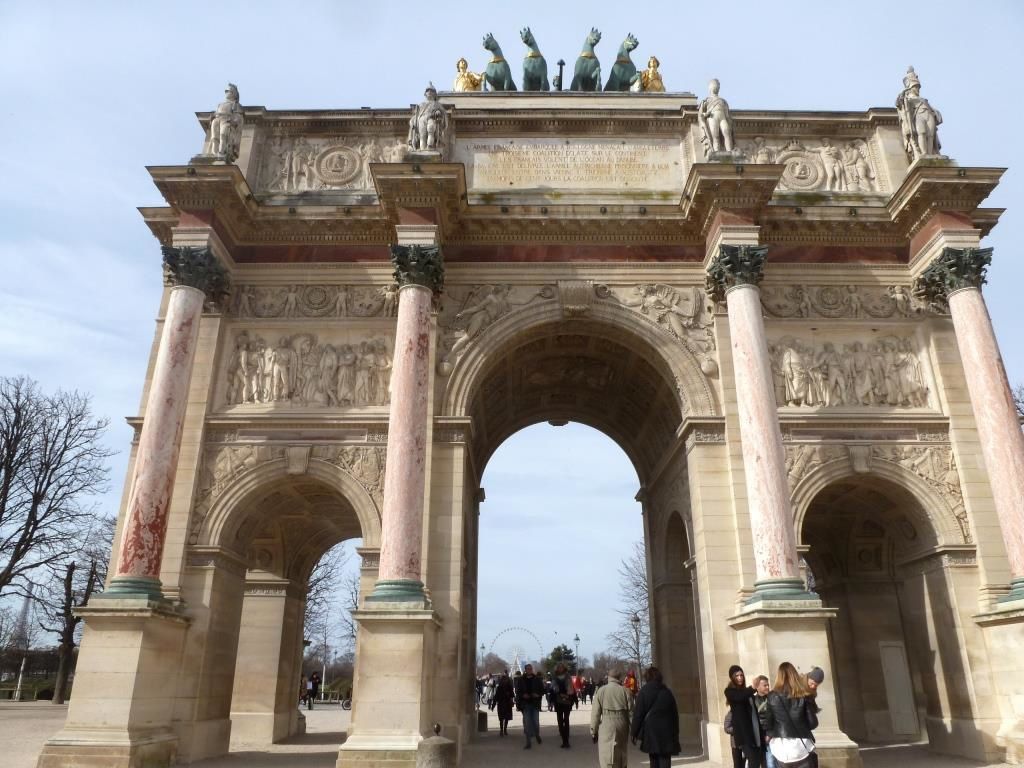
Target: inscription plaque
column 581, row 164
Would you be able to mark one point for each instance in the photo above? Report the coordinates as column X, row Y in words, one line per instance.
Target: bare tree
column 8, row 620
column 50, row 461
column 71, row 587
column 631, row 639
column 493, row 664
column 1018, row 400
column 605, row 663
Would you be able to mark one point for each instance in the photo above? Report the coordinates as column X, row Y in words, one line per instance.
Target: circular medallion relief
column 338, row 165
column 803, row 171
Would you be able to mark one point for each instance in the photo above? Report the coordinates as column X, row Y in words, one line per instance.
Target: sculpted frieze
column 301, row 164
column 936, row 465
column 302, row 370
column 681, row 312
column 882, row 371
column 838, row 301
column 222, row 465
column 469, row 310
column 820, row 165
column 321, row 301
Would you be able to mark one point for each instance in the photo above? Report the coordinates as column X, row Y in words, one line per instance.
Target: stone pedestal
column 120, row 715
column 266, row 681
column 1004, row 634
column 392, row 687
column 796, row 631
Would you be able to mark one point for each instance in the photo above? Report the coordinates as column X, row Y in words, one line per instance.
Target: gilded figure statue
column 466, row 80
column 715, row 121
column 919, row 120
column 498, row 75
column 650, row 79
column 226, row 126
column 587, row 75
column 428, row 123
column 623, row 70
column 535, row 66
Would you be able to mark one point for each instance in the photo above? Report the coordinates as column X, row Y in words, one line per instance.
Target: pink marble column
column 764, row 457
column 1002, row 442
column 418, row 272
column 735, row 274
column 142, row 539
column 958, row 275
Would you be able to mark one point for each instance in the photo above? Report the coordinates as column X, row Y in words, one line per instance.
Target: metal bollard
column 436, row 752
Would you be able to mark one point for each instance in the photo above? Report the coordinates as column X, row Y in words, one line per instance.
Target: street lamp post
column 635, row 621
column 576, row 640
column 483, row 651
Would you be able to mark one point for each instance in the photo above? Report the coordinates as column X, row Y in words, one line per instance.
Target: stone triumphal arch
column 777, row 316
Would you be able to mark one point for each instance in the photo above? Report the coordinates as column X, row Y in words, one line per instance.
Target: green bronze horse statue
column 623, row 70
column 498, row 74
column 535, row 66
column 587, row 75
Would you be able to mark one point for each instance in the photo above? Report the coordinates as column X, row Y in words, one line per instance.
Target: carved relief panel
column 291, row 165
column 822, row 164
column 281, row 368
column 849, row 369
column 839, row 301
column 325, row 301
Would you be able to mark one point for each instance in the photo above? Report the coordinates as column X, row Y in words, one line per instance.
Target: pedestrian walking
column 564, row 695
column 609, row 722
column 656, row 720
column 504, row 697
column 763, row 688
column 529, row 695
column 746, row 730
column 814, row 678
column 303, row 690
column 791, row 718
column 314, row 689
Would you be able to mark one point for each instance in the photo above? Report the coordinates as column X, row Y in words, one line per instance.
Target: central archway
column 634, row 382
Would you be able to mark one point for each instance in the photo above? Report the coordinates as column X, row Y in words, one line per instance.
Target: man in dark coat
column 656, row 720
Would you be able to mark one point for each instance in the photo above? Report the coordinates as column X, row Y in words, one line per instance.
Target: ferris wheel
column 517, row 645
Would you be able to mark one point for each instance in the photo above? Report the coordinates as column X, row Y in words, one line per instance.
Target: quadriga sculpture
column 498, row 74
column 623, row 70
column 535, row 66
column 587, row 75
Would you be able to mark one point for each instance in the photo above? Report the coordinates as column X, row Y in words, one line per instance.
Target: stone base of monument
column 1003, row 629
column 389, row 712
column 120, row 715
column 726, row 156
column 771, row 632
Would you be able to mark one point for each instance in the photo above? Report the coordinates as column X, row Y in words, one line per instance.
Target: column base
column 784, row 590
column 74, row 748
column 405, row 592
column 770, row 632
column 134, row 587
column 121, row 713
column 1015, row 594
column 1003, row 628
column 390, row 713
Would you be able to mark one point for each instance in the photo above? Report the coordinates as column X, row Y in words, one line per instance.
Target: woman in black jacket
column 792, row 715
column 746, row 731
column 656, row 720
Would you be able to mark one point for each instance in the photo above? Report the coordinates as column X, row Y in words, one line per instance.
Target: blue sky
column 91, row 93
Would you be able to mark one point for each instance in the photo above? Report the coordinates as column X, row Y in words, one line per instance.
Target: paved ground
column 24, row 728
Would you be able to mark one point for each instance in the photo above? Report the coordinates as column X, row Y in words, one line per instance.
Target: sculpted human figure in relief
column 226, row 126
column 715, row 121
column 918, row 119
